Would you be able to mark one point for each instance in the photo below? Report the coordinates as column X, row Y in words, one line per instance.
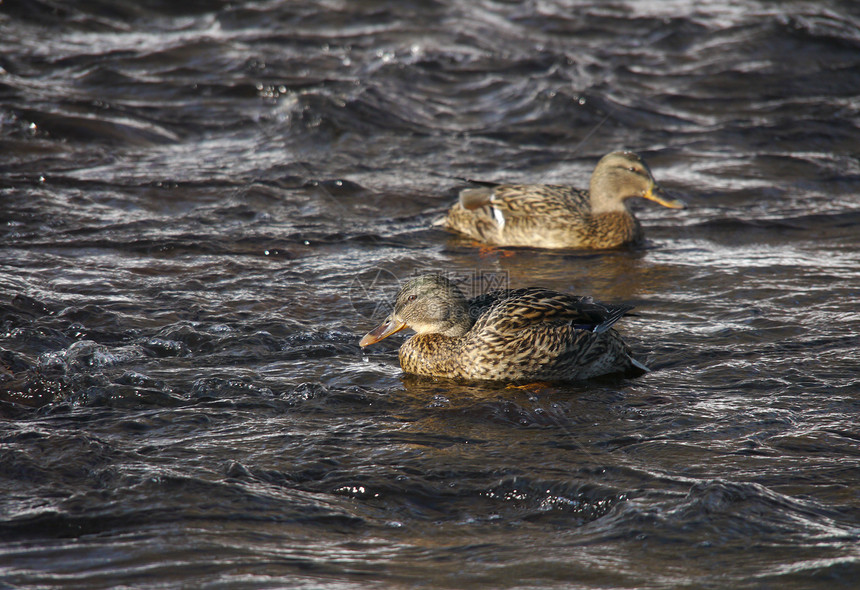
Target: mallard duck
column 551, row 216
column 530, row 334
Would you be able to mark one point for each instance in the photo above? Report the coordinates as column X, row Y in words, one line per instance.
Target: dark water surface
column 204, row 205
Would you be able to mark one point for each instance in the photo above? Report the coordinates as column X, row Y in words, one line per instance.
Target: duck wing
column 511, row 311
column 527, row 200
column 541, row 334
column 520, row 215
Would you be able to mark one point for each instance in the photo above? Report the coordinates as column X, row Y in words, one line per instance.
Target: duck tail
column 637, row 365
column 615, row 314
column 475, row 198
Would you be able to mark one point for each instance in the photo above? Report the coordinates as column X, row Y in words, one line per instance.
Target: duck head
column 429, row 304
column 623, row 175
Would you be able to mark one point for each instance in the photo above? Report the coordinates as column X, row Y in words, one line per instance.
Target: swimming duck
column 530, row 334
column 551, row 216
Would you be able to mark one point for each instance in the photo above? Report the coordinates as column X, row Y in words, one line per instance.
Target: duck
column 555, row 216
column 529, row 334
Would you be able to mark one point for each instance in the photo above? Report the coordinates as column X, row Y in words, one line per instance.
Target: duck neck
column 454, row 322
column 603, row 191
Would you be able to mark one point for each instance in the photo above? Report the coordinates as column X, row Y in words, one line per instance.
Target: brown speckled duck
column 551, row 216
column 529, row 334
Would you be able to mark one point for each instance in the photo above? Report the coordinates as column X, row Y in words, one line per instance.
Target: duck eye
column 412, row 297
column 632, row 169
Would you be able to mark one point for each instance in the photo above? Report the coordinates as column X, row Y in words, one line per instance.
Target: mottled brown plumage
column 529, row 334
column 550, row 216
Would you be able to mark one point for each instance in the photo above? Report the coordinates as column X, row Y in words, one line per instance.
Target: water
column 205, row 205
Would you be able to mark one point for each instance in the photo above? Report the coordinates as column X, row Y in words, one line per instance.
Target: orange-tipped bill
column 658, row 195
column 388, row 328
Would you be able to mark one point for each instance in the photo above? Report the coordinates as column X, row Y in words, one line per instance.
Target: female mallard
column 549, row 216
column 529, row 334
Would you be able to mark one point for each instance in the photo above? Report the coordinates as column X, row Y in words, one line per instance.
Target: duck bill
column 658, row 195
column 382, row 332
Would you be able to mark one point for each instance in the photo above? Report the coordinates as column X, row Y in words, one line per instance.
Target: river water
column 204, row 206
